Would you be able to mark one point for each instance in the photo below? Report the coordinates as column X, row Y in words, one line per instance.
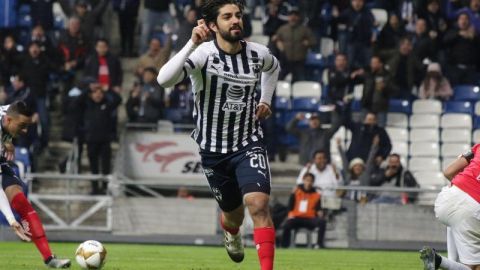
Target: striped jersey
column 5, row 137
column 225, row 97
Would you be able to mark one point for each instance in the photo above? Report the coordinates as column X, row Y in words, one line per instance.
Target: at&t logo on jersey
column 234, row 102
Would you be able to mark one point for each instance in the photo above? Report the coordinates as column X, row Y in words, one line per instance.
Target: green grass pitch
column 19, row 256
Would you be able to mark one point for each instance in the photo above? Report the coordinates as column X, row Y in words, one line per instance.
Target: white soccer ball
column 91, row 255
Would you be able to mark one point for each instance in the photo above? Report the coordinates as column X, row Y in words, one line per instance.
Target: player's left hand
column 9, row 152
column 263, row 111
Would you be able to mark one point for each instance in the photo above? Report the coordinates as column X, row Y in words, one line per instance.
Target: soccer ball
column 91, row 255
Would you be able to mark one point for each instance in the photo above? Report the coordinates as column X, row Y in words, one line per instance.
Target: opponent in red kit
column 458, row 207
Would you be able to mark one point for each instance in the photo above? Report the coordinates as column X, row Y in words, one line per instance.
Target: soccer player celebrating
column 14, row 120
column 224, row 73
column 458, row 207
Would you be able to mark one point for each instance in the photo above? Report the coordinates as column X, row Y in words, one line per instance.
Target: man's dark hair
column 395, row 155
column 103, row 40
column 309, row 174
column 19, row 108
column 151, row 70
column 320, row 152
column 210, row 8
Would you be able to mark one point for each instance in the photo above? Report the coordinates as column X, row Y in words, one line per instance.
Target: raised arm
column 458, row 165
column 177, row 68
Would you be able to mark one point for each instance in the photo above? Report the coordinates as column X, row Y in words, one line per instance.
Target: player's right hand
column 20, row 232
column 200, row 33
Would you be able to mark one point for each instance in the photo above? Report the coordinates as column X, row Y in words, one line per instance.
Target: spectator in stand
column 359, row 30
column 436, row 22
column 340, row 86
column 327, row 177
column 463, row 56
column 390, row 35
column 10, row 59
column 362, row 138
column 127, row 11
column 276, row 15
column 156, row 56
column 312, row 139
column 377, row 91
column 156, row 15
column 46, row 44
column 181, row 99
column 105, row 67
column 405, row 70
column 435, row 85
column 356, row 172
column 97, row 109
column 184, row 193
column 146, row 103
column 88, row 18
column 473, row 12
column 18, row 91
column 425, row 44
column 305, row 211
column 394, row 175
column 36, row 69
column 293, row 41
column 184, row 32
column 73, row 45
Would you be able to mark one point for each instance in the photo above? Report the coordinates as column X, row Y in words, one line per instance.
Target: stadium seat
column 427, row 106
column 257, row 27
column 358, row 92
column 476, row 110
column 59, row 23
column 380, row 16
column 424, row 135
column 430, row 179
column 456, row 136
column 24, row 9
column 284, row 89
column 400, row 106
column 336, row 159
column 260, row 39
column 466, row 93
column 308, row 104
column 424, row 149
column 417, row 164
column 424, row 121
column 458, row 107
column 356, row 106
column 282, row 103
column 307, row 89
column 454, row 149
column 456, row 120
column 397, row 134
column 400, row 148
column 315, row 60
column 327, row 46
column 476, row 136
column 397, row 120
column 25, row 21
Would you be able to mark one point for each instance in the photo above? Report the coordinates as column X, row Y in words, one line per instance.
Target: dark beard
column 229, row 37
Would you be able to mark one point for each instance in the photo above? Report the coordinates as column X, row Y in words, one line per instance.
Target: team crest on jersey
column 235, row 94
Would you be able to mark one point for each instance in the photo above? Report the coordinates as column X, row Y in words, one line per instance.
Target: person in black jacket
column 88, row 18
column 362, row 138
column 97, row 118
column 156, row 15
column 36, row 69
column 147, row 101
column 127, row 11
column 104, row 66
column 10, row 58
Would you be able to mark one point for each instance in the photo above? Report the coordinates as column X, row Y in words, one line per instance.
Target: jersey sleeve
column 270, row 72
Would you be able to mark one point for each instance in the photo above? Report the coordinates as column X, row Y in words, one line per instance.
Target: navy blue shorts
column 8, row 176
column 233, row 175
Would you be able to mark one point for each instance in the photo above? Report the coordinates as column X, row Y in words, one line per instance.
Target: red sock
column 233, row 231
column 31, row 222
column 265, row 242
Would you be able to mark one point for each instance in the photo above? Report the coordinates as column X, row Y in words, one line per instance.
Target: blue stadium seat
column 58, row 23
column 400, row 106
column 22, row 155
column 458, row 107
column 25, row 21
column 282, row 103
column 24, row 10
column 466, row 93
column 305, row 104
column 315, row 60
column 174, row 115
column 476, row 122
column 356, row 105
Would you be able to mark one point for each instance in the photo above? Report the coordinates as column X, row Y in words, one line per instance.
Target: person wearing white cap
column 435, row 85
